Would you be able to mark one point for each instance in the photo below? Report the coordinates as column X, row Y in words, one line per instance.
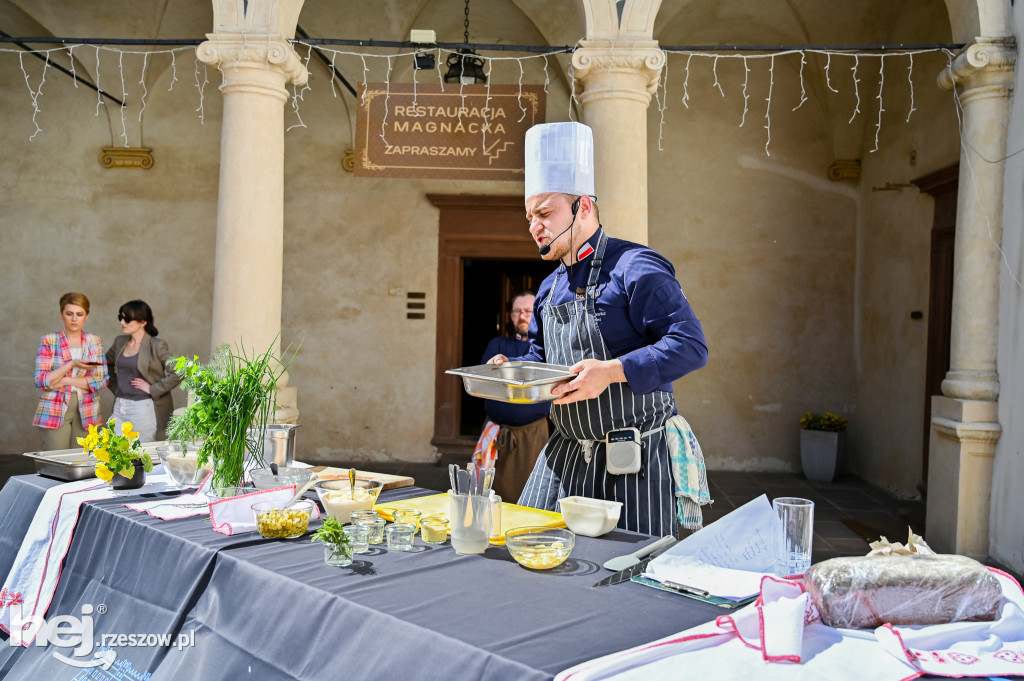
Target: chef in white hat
column 614, row 312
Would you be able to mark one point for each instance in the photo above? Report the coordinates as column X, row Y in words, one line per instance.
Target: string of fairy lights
column 144, row 59
column 856, row 62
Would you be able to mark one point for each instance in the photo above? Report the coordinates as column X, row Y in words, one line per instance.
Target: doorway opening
column 943, row 186
column 488, row 287
column 489, row 232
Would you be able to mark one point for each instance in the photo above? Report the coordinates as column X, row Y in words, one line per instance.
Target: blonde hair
column 72, row 298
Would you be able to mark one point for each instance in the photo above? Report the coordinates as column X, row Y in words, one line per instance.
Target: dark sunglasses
column 122, row 318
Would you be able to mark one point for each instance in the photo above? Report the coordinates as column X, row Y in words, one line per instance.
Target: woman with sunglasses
column 70, row 372
column 139, row 377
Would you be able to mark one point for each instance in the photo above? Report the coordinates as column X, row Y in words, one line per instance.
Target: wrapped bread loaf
column 868, row 591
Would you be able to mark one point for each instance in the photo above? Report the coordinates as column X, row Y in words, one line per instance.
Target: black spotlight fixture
column 424, row 61
column 465, row 66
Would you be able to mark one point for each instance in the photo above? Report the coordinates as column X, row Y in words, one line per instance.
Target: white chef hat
column 560, row 158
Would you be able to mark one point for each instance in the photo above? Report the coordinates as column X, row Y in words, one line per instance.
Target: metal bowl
column 514, row 382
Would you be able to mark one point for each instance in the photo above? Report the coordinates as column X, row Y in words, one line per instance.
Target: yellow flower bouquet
column 116, row 453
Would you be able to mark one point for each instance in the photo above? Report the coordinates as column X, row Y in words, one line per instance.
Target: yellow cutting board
column 512, row 515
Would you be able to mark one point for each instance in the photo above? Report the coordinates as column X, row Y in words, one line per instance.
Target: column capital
column 984, row 67
column 618, row 68
column 240, row 57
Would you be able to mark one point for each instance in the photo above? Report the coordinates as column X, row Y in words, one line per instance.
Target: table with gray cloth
column 271, row 609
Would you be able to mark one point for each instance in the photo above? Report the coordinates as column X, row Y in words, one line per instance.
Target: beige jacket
column 153, row 356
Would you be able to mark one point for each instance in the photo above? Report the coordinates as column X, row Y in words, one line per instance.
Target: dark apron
column 573, row 462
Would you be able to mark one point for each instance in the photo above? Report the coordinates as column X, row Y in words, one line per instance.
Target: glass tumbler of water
column 794, row 532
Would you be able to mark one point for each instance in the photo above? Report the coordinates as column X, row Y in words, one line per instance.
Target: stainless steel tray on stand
column 64, row 464
column 74, row 464
column 515, row 382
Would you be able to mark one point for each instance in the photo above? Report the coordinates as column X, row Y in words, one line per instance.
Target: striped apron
column 573, row 461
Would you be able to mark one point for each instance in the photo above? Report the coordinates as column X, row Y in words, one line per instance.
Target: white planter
column 822, row 454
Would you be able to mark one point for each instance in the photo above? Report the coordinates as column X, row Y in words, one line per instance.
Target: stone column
column 965, row 426
column 614, row 81
column 250, row 49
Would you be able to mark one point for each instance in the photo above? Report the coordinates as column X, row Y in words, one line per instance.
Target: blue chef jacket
column 644, row 318
column 504, row 413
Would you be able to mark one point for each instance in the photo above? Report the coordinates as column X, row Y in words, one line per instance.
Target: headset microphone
column 546, row 248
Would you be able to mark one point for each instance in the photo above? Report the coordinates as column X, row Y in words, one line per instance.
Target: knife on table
column 624, row 575
column 637, row 568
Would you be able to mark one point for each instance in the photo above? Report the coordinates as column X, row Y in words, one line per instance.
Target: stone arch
column 625, row 20
column 970, row 19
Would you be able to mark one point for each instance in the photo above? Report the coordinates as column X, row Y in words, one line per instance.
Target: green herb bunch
column 231, row 394
column 828, row 421
column 331, row 532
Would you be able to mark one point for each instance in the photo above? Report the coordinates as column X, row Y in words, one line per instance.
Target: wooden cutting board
column 390, row 481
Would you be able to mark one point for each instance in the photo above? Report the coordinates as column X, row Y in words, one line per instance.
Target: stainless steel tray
column 515, row 382
column 64, row 464
column 73, row 464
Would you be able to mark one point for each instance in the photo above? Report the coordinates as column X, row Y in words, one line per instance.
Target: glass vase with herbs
column 233, row 397
column 337, row 546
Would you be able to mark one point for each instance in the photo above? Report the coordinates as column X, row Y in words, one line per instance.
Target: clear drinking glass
column 794, row 533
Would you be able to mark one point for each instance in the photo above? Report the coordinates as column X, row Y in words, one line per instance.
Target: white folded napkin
column 234, row 515
column 183, row 506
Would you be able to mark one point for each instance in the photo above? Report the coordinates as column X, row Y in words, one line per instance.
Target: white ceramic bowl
column 590, row 517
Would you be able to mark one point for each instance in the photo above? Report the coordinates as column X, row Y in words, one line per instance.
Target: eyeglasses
column 522, row 310
column 123, row 318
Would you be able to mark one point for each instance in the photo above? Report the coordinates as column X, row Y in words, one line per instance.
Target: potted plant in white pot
column 822, row 445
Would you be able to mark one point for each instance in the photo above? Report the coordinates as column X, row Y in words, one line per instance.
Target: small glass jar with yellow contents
column 434, row 529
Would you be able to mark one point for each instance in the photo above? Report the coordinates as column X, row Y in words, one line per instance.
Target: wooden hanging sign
column 445, row 131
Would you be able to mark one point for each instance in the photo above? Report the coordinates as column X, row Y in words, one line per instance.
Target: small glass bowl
column 540, row 548
column 400, row 536
column 376, row 528
column 356, row 516
column 408, row 515
column 434, row 529
column 286, row 476
column 184, row 469
column 359, row 537
column 275, row 522
column 337, row 555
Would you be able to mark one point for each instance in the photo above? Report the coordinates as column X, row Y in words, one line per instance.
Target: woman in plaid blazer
column 70, row 372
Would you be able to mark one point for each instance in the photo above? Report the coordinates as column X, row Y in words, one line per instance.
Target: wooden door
column 470, row 227
column 942, row 185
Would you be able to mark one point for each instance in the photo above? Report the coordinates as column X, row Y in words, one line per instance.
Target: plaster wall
column 773, row 256
column 893, row 261
column 68, row 224
column 1006, row 532
column 764, row 249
